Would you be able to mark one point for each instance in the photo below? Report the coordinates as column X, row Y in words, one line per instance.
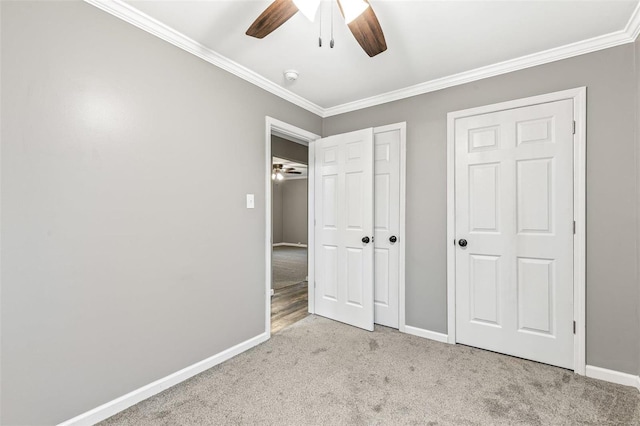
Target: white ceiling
column 427, row 40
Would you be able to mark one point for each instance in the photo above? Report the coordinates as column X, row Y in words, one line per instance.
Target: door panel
column 344, row 215
column 514, row 206
column 387, row 224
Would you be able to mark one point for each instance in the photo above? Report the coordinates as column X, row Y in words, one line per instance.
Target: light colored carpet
column 289, row 266
column 320, row 372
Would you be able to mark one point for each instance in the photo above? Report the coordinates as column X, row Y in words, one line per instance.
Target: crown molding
column 124, row 11
column 633, row 25
column 617, row 38
column 143, row 21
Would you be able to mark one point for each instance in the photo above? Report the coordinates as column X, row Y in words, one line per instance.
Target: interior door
column 514, row 228
column 344, row 228
column 387, row 224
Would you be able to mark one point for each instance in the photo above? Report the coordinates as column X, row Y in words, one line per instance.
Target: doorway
column 289, row 232
column 289, row 241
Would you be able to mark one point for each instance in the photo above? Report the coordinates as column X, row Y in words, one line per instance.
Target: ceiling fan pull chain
column 331, row 43
column 320, row 28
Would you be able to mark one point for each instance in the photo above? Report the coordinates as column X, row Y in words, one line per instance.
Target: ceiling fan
column 358, row 14
column 279, row 171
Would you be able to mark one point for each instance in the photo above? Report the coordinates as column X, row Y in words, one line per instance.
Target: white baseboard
column 420, row 332
column 289, row 245
column 613, row 376
column 110, row 408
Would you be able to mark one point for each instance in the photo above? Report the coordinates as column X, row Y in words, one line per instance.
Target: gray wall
column 613, row 326
column 289, row 211
column 276, row 212
column 126, row 254
column 294, row 211
column 288, row 150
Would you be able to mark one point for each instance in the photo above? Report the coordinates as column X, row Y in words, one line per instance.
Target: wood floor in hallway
column 288, row 305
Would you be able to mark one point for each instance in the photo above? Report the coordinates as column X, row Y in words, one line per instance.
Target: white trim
column 110, row 408
column 451, row 232
column 613, row 376
column 122, row 10
column 580, row 236
column 289, row 245
column 311, row 236
column 303, row 137
column 578, row 96
column 130, row 14
column 427, row 334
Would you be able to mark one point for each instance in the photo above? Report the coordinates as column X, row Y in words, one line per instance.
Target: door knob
column 365, row 240
column 462, row 242
column 393, row 239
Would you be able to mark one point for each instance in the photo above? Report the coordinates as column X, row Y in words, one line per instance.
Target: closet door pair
column 357, row 224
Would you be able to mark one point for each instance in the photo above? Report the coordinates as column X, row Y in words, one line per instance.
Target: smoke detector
column 291, row 75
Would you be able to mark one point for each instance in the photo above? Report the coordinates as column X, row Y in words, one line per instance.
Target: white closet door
column 344, row 228
column 387, row 225
column 514, row 228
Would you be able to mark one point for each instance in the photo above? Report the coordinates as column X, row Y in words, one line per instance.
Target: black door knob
column 462, row 242
column 365, row 240
column 393, row 239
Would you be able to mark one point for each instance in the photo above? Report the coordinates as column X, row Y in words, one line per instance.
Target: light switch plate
column 250, row 201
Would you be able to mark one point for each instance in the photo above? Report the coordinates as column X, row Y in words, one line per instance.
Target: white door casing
column 343, row 217
column 514, row 207
column 387, row 224
column 304, row 137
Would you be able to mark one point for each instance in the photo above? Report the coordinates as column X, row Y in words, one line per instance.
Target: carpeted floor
column 319, row 371
column 289, row 266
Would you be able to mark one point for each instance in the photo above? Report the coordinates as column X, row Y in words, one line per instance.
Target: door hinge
column 574, row 327
column 574, row 127
column 574, row 227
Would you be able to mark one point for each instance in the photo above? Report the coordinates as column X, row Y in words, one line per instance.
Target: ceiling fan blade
column 367, row 31
column 273, row 16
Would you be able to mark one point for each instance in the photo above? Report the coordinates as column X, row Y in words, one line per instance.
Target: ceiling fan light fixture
column 351, row 9
column 309, row 8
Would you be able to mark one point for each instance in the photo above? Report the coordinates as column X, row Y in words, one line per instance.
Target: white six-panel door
column 514, row 208
column 387, row 225
column 343, row 217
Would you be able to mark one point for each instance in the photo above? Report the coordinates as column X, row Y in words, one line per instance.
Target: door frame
column 303, row 137
column 579, row 98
